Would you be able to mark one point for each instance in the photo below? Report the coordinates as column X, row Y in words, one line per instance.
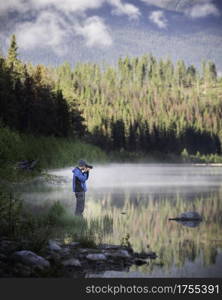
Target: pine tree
column 12, row 56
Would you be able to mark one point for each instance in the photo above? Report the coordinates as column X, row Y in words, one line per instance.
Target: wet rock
column 119, row 254
column 96, row 257
column 83, row 250
column 191, row 215
column 31, row 259
column 67, row 260
column 89, row 250
column 63, row 252
column 72, row 262
column 54, row 246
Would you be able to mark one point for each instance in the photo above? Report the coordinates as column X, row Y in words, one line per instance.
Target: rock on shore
column 71, row 260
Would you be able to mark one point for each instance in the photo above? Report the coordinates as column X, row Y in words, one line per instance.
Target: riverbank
column 67, row 260
column 53, row 152
column 54, row 243
column 47, row 152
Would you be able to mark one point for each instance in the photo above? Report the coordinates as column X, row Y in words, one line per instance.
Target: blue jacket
column 79, row 179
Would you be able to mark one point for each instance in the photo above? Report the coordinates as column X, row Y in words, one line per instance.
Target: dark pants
column 80, row 203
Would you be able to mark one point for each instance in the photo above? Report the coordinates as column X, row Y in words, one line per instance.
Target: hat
column 82, row 163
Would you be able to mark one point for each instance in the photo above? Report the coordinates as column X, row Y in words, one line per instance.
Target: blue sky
column 51, row 31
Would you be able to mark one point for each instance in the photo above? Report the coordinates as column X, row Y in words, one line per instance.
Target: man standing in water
column 80, row 175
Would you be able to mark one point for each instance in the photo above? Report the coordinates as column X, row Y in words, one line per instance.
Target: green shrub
column 51, row 152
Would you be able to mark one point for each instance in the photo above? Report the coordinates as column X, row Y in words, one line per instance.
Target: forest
column 140, row 105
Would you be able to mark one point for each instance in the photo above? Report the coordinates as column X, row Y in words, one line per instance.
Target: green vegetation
column 51, row 152
column 143, row 107
column 34, row 231
column 148, row 106
column 201, row 158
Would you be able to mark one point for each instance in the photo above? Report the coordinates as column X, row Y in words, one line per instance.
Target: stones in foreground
column 72, row 262
column 68, row 260
column 96, row 257
column 54, row 246
column 31, row 259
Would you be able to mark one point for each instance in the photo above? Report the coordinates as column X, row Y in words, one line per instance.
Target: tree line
column 148, row 105
column 31, row 102
column 140, row 105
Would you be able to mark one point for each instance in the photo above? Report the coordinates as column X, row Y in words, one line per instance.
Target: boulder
column 54, row 246
column 72, row 262
column 31, row 259
column 122, row 253
column 188, row 216
column 65, row 252
column 96, row 257
column 189, row 219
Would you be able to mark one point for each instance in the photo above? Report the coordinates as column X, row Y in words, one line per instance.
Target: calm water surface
column 137, row 200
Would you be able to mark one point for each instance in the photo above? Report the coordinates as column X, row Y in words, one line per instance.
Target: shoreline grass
column 33, row 232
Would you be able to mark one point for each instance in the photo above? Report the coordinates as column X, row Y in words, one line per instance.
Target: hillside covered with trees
column 141, row 105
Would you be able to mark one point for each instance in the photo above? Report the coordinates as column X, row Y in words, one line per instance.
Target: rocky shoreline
column 67, row 260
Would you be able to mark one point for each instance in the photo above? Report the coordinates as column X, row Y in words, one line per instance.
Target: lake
column 135, row 201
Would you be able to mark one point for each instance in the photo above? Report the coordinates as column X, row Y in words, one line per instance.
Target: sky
column 54, row 31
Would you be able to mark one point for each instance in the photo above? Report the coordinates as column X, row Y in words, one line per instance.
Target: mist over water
column 139, row 199
column 145, row 176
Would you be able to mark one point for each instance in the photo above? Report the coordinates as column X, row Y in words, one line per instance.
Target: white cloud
column 202, row 10
column 95, row 32
column 54, row 20
column 158, row 18
column 67, row 6
column 121, row 8
column 162, row 3
column 193, row 8
column 46, row 31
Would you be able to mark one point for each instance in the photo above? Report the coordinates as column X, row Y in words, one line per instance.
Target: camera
column 89, row 166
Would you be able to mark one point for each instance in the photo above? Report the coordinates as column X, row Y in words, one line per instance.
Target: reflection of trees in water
column 119, row 197
column 146, row 221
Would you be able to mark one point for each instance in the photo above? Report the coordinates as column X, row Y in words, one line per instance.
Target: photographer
column 80, row 175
